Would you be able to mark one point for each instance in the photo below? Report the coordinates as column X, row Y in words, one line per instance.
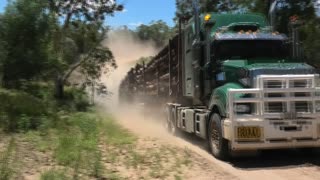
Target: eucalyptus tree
column 77, row 39
column 157, row 31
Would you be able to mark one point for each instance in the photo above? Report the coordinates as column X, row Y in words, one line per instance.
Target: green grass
column 54, row 175
column 115, row 134
column 78, row 144
column 135, row 159
column 6, row 159
column 187, row 158
column 42, row 142
column 177, row 177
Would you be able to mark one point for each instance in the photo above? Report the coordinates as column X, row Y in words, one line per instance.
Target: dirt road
column 288, row 164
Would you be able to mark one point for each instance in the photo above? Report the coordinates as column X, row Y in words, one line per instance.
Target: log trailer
column 232, row 80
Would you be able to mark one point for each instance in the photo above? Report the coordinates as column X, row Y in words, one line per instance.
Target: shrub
column 76, row 99
column 20, row 110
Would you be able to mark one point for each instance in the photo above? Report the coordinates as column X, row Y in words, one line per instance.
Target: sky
column 2, row 4
column 137, row 12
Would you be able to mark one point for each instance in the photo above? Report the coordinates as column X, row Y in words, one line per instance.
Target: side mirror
column 221, row 77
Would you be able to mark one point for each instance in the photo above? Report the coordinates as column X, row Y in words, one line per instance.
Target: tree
column 23, row 38
column 82, row 29
column 3, row 49
column 285, row 9
column 311, row 43
column 157, row 31
column 185, row 7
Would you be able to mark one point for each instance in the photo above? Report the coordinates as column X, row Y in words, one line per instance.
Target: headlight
column 317, row 80
column 245, row 81
column 244, row 78
column 242, row 108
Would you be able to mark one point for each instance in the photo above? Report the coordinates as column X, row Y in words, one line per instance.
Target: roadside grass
column 42, row 142
column 78, row 145
column 6, row 161
column 88, row 145
column 53, row 174
column 115, row 134
column 148, row 161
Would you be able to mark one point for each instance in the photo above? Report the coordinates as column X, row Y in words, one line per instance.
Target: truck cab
column 246, row 90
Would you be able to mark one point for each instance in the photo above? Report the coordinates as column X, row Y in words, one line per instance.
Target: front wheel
column 219, row 146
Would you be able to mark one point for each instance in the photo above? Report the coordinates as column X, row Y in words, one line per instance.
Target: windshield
column 245, row 49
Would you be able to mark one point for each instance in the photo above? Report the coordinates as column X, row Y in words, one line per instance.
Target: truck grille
column 281, row 107
column 279, row 97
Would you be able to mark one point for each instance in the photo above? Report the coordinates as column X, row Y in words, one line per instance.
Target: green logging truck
column 234, row 81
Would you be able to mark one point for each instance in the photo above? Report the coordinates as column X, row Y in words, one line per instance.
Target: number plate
column 249, row 132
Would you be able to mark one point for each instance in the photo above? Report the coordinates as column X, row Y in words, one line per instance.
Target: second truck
column 234, row 81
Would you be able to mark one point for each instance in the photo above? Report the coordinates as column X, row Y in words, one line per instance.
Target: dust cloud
column 127, row 48
column 146, row 123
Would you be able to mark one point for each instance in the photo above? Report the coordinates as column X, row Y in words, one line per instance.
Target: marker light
column 207, row 17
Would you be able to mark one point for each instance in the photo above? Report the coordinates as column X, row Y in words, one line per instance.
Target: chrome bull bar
column 289, row 90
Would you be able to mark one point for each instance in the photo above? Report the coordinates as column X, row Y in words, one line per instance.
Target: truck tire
column 219, row 146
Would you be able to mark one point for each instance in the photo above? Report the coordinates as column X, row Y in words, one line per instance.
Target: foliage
column 20, row 110
column 23, row 37
column 91, row 10
column 75, row 100
column 157, row 31
column 185, row 8
column 34, row 35
column 83, row 30
column 311, row 34
column 145, row 60
column 302, row 8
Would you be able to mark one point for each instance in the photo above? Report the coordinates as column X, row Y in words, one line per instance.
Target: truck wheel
column 219, row 146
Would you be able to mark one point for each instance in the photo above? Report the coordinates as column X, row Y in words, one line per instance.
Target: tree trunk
column 59, row 88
